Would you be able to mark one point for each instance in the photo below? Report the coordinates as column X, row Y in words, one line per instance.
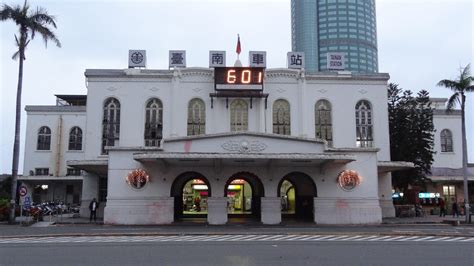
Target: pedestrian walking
column 442, row 208
column 93, row 206
column 455, row 208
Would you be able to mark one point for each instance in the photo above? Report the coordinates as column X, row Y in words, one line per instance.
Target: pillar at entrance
column 217, row 210
column 90, row 190
column 388, row 210
column 271, row 210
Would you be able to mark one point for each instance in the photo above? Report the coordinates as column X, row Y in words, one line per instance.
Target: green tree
column 30, row 23
column 460, row 87
column 411, row 135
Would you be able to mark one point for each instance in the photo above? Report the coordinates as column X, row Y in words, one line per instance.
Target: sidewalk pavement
column 80, row 226
column 428, row 219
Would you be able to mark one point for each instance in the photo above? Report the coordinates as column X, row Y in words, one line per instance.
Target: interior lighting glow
column 200, row 187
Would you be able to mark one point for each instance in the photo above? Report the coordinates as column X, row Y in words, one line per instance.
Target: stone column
column 217, row 210
column 90, row 190
column 385, row 195
column 271, row 210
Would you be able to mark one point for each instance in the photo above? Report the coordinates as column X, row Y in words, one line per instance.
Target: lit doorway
column 190, row 191
column 239, row 197
column 244, row 191
column 288, row 198
column 195, row 194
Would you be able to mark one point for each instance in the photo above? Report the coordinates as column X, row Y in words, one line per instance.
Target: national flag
column 238, row 49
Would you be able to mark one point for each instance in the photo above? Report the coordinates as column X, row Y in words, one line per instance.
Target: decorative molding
column 244, row 146
column 322, row 90
column 197, row 90
column 363, row 91
column 154, row 89
column 281, row 90
column 111, row 88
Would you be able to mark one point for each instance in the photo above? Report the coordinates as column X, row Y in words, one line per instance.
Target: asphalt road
column 240, row 253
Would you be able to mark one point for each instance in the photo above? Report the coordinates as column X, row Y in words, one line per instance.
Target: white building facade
column 309, row 146
column 446, row 170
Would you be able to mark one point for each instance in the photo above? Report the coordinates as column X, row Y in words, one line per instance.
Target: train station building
column 160, row 146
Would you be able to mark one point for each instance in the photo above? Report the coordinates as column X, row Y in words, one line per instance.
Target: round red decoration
column 348, row 180
column 137, row 178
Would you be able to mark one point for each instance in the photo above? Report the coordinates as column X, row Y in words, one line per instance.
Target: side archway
column 189, row 201
column 297, row 191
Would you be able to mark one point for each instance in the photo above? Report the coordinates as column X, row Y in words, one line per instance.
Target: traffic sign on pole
column 23, row 191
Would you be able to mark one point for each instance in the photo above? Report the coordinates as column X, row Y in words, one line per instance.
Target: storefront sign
column 428, row 195
column 137, row 178
column 348, row 180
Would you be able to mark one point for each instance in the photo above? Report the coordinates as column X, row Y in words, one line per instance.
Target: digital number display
column 236, row 78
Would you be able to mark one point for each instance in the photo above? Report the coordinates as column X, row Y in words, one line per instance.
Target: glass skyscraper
column 341, row 26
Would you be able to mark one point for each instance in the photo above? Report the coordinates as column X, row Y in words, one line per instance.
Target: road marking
column 231, row 238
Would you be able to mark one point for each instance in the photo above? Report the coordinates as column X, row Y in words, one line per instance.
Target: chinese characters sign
column 335, row 61
column 177, row 58
column 216, row 58
column 257, row 59
column 136, row 58
column 295, row 59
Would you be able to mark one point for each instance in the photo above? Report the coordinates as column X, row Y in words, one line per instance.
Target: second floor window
column 44, row 139
column 196, row 117
column 238, row 115
column 281, row 117
column 446, row 141
column 364, row 124
column 153, row 123
column 110, row 123
column 41, row 171
column 75, row 139
column 322, row 118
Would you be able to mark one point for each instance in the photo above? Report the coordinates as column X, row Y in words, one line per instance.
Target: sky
column 419, row 43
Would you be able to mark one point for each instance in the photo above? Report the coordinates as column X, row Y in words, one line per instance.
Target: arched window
column 44, row 139
column 153, row 123
column 196, row 117
column 446, row 141
column 281, row 117
column 75, row 139
column 238, row 115
column 364, row 124
column 323, row 123
column 110, row 123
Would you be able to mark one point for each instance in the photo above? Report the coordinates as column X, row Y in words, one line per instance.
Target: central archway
column 244, row 191
column 190, row 191
column 297, row 191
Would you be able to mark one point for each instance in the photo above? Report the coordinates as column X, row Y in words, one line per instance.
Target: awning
column 245, row 158
column 449, row 178
column 99, row 167
column 391, row 166
column 49, row 178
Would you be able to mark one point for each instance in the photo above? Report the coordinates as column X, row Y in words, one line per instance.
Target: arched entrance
column 190, row 191
column 244, row 191
column 297, row 192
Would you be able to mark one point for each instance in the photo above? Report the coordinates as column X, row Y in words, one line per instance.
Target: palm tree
column 460, row 87
column 30, row 23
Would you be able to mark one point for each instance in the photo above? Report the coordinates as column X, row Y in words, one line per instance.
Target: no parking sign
column 22, row 191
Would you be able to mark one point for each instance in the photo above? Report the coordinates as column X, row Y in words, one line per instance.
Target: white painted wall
column 448, row 159
column 48, row 159
column 176, row 89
